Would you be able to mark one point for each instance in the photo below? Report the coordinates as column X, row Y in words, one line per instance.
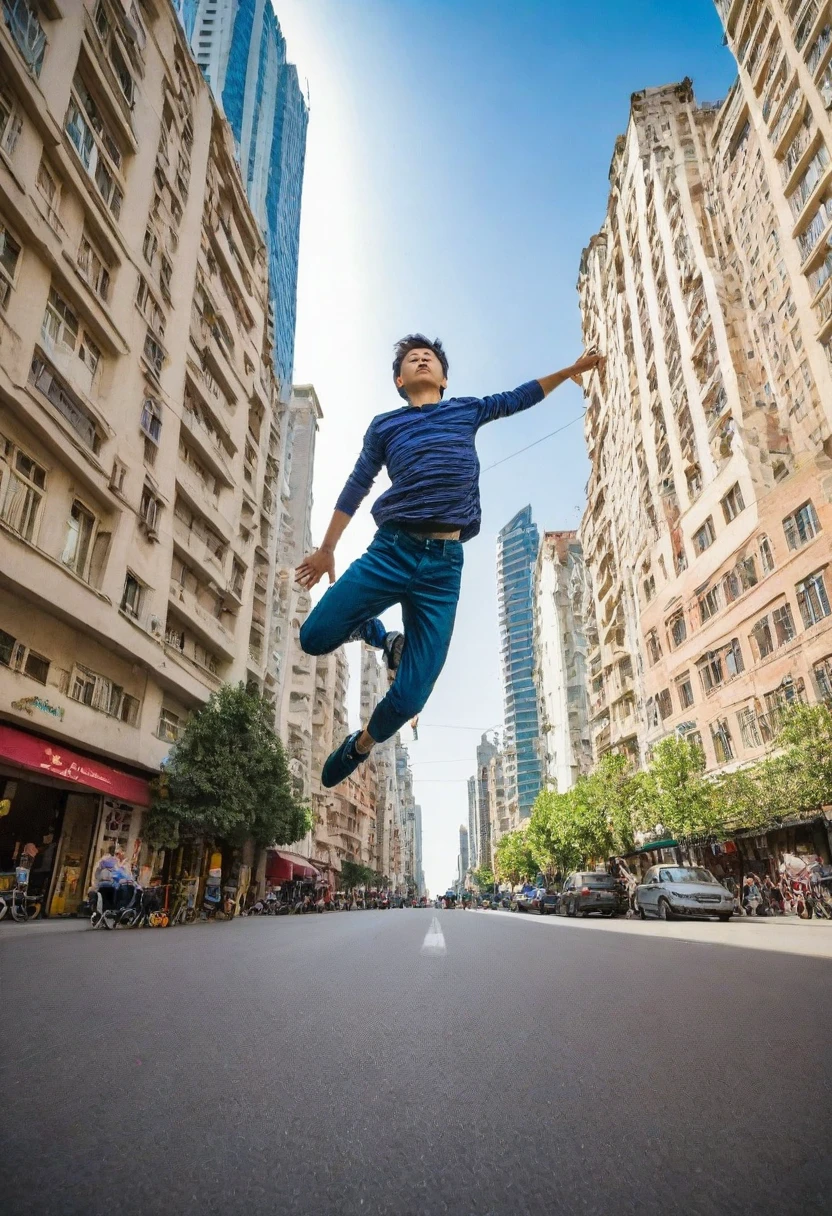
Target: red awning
column 284, row 867
column 55, row 760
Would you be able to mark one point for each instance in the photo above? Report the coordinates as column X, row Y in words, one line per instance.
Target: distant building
column 464, row 859
column 242, row 53
column 517, row 546
column 473, row 824
column 560, row 592
column 486, row 751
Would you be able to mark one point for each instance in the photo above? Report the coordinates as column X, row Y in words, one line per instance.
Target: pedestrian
column 752, row 896
column 431, row 508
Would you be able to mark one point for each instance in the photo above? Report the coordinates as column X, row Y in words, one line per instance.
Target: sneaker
column 343, row 761
column 392, row 649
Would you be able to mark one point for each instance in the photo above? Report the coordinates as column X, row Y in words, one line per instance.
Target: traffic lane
column 788, row 934
column 327, row 1061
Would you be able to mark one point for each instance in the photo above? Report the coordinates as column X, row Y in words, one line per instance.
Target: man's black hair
column 418, row 342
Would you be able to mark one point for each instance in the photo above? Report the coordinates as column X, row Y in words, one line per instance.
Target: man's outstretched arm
column 503, row 405
column 322, row 561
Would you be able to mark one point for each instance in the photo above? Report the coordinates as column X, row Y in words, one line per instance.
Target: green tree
column 806, row 736
column 354, row 874
column 682, row 799
column 483, row 877
column 227, row 780
column 513, row 858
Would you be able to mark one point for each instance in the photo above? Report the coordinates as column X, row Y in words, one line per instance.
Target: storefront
column 71, row 807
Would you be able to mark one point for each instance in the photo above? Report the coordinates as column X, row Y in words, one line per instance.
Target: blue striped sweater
column 431, row 458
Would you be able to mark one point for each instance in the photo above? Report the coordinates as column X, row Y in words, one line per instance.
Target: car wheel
column 725, row 917
column 607, row 914
column 541, row 910
column 642, row 913
column 665, row 911
column 570, row 910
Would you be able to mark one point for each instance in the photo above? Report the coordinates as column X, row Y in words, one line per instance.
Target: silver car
column 671, row 891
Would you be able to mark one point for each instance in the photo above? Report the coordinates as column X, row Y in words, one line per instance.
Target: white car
column 671, row 891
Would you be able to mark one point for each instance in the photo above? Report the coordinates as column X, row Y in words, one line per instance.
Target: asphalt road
column 411, row 1062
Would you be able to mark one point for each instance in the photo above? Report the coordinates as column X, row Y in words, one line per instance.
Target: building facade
column 517, row 546
column 479, row 805
column 560, row 672
column 499, row 813
column 708, row 523
column 463, row 859
column 239, row 47
column 140, row 427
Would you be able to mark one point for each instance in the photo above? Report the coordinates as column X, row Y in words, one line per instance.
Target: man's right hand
column 315, row 566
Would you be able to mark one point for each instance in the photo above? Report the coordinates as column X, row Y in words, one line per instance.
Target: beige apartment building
column 140, row 439
column 707, row 530
column 560, row 673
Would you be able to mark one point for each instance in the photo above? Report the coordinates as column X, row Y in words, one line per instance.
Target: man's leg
column 367, row 587
column 428, row 611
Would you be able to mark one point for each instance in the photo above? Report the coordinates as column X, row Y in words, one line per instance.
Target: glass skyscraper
column 517, row 546
column 242, row 53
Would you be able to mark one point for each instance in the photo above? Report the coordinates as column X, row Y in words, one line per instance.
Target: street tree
column 483, row 877
column 513, row 858
column 354, row 874
column 227, row 780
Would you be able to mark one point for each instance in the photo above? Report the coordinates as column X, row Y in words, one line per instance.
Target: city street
column 416, row 1062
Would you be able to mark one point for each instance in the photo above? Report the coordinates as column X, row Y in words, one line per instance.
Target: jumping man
column 428, row 446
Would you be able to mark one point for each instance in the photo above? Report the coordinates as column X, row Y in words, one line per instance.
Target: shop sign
column 27, row 704
column 58, row 761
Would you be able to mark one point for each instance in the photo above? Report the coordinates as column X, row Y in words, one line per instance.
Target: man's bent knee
column 312, row 640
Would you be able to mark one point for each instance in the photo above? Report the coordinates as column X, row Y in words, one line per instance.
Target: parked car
column 586, row 892
column 520, row 901
column 542, row 901
column 671, row 891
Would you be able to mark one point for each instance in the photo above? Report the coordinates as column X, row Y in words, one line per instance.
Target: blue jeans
column 422, row 575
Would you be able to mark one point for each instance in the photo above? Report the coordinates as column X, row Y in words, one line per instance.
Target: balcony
column 209, row 445
column 202, row 622
column 198, row 549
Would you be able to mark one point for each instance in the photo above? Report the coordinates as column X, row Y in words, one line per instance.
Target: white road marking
column 434, row 942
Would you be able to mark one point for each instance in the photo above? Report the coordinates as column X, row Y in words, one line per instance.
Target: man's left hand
column 588, row 362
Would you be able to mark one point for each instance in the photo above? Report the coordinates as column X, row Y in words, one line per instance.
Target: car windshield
column 597, row 880
column 683, row 874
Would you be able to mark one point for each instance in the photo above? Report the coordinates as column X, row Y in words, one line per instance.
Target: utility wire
column 534, row 444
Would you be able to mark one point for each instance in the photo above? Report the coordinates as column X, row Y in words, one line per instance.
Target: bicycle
column 22, row 906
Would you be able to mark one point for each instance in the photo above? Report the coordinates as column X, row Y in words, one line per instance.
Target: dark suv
column 588, row 892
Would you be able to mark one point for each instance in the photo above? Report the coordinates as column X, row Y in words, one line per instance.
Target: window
column 50, row 191
column 747, row 570
column 22, row 483
column 9, row 260
column 80, row 529
column 721, row 738
column 98, row 692
column 731, row 586
column 685, row 690
column 149, row 509
column 783, row 624
column 165, row 275
column 761, row 638
column 732, row 503
column 82, row 686
column 97, row 150
column 92, row 267
column 822, row 672
column 151, row 420
column 131, row 599
column 149, row 309
column 694, row 480
column 711, row 671
column 649, row 588
column 694, row 738
column 709, row 604
column 27, row 32
column 678, row 629
column 734, row 664
column 654, row 648
column 149, row 246
column 36, row 667
column 7, row 645
column 60, row 324
column 665, row 703
column 10, row 124
column 749, row 727
column 652, row 710
column 154, row 353
column 169, row 726
column 812, row 599
column 704, row 538
column 802, row 526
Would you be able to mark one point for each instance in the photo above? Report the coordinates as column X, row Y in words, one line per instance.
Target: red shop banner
column 55, row 760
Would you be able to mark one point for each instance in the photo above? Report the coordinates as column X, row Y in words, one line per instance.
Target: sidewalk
column 782, row 934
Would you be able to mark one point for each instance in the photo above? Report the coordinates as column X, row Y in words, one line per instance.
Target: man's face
column 421, row 370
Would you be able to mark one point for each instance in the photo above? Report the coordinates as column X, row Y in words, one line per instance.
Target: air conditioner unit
column 152, row 534
column 155, row 625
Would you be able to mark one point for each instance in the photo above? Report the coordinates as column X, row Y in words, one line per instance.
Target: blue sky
column 457, row 165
